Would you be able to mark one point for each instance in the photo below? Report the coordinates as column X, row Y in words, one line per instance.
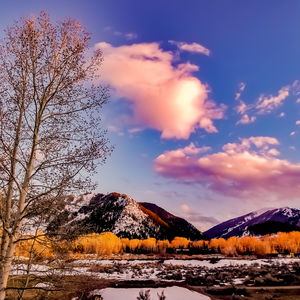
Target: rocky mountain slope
column 121, row 215
column 258, row 223
column 178, row 225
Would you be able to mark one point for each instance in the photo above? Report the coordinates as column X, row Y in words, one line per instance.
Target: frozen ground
column 191, row 262
column 143, row 269
column 172, row 293
column 207, row 275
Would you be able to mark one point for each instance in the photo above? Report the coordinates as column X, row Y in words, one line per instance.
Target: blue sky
column 253, row 50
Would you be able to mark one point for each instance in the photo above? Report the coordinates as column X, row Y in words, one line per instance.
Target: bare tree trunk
column 28, row 268
column 5, row 268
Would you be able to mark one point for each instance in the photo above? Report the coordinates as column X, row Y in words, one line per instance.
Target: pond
column 171, row 293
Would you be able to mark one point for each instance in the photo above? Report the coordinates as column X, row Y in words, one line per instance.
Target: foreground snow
column 142, row 269
column 172, row 293
column 230, row 262
column 192, row 262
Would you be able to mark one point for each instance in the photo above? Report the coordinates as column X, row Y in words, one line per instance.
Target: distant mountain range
column 259, row 222
column 120, row 214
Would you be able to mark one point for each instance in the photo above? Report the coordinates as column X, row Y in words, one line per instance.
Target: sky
column 204, row 112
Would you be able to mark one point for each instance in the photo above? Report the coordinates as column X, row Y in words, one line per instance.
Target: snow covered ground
column 192, row 262
column 230, row 262
column 172, row 293
column 140, row 269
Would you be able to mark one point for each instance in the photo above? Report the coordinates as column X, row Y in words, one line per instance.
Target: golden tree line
column 108, row 243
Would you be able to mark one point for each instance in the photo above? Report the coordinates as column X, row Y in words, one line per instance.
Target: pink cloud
column 241, row 88
column 267, row 104
column 193, row 47
column 264, row 104
column 242, row 107
column 248, row 169
column 185, row 208
column 245, row 119
column 164, row 97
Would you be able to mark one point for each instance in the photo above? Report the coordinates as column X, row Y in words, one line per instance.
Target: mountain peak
column 122, row 215
column 263, row 221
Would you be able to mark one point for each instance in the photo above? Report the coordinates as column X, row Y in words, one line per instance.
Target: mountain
column 179, row 226
column 258, row 223
column 121, row 215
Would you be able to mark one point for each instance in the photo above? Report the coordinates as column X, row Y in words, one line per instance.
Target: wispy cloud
column 241, row 88
column 267, row 104
column 164, row 97
column 131, row 36
column 245, row 119
column 135, row 130
column 127, row 35
column 242, row 107
column 192, row 47
column 115, row 129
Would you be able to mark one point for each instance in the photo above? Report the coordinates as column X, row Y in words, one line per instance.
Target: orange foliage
column 180, row 242
column 108, row 243
column 162, row 246
column 269, row 244
column 149, row 245
column 105, row 243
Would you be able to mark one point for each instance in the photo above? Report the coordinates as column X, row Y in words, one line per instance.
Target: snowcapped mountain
column 120, row 214
column 259, row 222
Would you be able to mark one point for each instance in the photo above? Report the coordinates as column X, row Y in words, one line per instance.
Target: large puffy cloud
column 248, row 169
column 164, row 97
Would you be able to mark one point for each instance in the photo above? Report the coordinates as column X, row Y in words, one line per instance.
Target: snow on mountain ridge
column 132, row 219
column 242, row 226
column 117, row 213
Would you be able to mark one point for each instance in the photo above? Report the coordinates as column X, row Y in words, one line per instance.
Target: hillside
column 120, row 214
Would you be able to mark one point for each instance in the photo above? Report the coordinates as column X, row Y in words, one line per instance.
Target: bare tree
column 144, row 295
column 50, row 135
